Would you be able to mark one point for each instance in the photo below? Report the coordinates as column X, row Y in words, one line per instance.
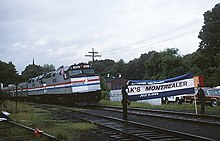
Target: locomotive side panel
column 85, row 84
column 22, row 91
column 35, row 86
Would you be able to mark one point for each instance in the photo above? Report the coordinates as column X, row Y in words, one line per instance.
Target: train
column 71, row 85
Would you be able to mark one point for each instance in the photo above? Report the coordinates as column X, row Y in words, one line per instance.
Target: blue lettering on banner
column 160, row 94
column 150, row 89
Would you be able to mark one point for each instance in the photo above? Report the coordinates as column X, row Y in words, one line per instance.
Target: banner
column 150, row 89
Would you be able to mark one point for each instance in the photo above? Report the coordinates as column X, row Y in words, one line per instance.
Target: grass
column 43, row 119
column 185, row 107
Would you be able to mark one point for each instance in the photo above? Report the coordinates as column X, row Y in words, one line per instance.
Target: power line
column 156, row 36
column 155, row 43
column 93, row 55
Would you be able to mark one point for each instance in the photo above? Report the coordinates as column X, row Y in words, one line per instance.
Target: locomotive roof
column 62, row 68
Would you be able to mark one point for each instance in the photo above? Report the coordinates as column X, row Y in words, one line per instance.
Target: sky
column 62, row 32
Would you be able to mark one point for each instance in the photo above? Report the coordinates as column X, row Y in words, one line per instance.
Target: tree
column 193, row 63
column 210, row 32
column 103, row 67
column 118, row 68
column 32, row 71
column 172, row 63
column 152, row 66
column 48, row 67
column 105, row 89
column 209, row 46
column 8, row 73
column 166, row 64
column 135, row 69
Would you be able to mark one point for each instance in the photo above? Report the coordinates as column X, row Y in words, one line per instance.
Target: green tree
column 210, row 32
column 8, row 73
column 102, row 67
column 209, row 46
column 104, row 88
column 166, row 64
column 135, row 69
column 153, row 66
column 192, row 63
column 118, row 68
column 48, row 67
column 172, row 64
column 32, row 71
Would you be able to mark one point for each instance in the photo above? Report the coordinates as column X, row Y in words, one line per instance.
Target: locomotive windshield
column 83, row 70
column 88, row 71
column 75, row 72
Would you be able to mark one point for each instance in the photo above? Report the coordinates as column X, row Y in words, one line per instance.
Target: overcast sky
column 62, row 32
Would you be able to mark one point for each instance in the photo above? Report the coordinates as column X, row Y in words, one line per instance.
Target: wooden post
column 16, row 100
column 195, row 104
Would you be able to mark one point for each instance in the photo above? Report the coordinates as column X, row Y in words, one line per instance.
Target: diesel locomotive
column 73, row 85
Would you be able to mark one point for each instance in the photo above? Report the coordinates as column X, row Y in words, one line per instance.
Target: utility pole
column 1, row 95
column 93, row 56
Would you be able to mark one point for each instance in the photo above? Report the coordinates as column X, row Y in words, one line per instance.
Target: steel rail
column 159, row 133
column 189, row 118
column 48, row 136
column 169, row 112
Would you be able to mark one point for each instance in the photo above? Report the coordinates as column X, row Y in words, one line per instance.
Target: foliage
column 48, row 67
column 118, row 68
column 210, row 33
column 102, row 67
column 8, row 73
column 134, row 69
column 32, row 71
column 209, row 46
column 36, row 70
column 105, row 89
column 164, row 64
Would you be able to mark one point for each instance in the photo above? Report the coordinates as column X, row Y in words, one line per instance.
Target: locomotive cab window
column 74, row 72
column 88, row 71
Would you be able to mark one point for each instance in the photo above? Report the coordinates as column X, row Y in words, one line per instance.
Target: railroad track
column 129, row 130
column 12, row 131
column 209, row 120
column 200, row 125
